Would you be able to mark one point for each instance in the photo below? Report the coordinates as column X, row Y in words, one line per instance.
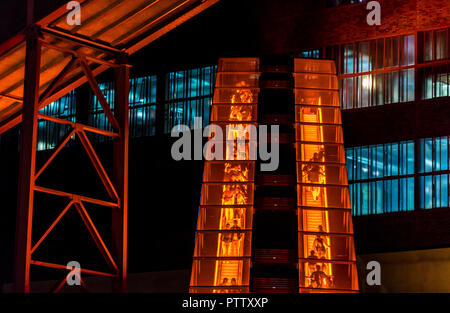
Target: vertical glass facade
column 222, row 253
column 435, row 77
column 142, row 107
column 381, row 178
column 434, row 172
column 327, row 258
column 142, row 102
column 188, row 95
column 375, row 72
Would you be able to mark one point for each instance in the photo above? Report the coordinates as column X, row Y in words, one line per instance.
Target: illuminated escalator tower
column 326, row 256
column 327, row 259
column 223, row 239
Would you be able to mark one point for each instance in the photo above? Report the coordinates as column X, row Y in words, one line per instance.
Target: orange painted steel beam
column 75, row 197
column 147, row 25
column 98, row 165
column 4, row 95
column 55, row 153
column 100, row 97
column 165, row 29
column 78, row 125
column 63, row 212
column 120, row 175
column 78, row 54
column 125, row 18
column 60, row 285
column 96, row 236
column 64, row 267
column 24, row 220
column 58, row 79
column 17, row 118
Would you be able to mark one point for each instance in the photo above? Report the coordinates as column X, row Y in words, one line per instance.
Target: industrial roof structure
column 109, row 30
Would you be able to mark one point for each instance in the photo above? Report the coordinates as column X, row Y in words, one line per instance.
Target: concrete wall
column 410, row 271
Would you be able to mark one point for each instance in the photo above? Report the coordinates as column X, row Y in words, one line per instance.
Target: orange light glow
column 326, row 260
column 234, row 102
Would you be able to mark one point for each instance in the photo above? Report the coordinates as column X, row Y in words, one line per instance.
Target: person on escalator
column 319, row 279
column 236, row 237
column 234, row 283
column 320, row 246
column 227, row 239
column 314, row 171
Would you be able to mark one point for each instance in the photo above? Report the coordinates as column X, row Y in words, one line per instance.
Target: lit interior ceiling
column 108, row 29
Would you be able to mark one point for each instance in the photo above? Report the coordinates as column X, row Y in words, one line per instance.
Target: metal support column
column 120, row 177
column 27, row 161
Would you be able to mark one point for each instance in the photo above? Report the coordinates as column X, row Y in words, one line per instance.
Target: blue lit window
column 142, row 107
column 188, row 95
column 311, row 54
column 381, row 178
column 142, row 101
column 434, row 167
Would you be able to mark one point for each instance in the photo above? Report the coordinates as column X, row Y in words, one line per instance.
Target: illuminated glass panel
column 435, row 44
column 320, row 276
column 339, row 221
column 381, row 178
column 324, row 210
column 435, row 81
column 311, row 54
column 223, row 241
column 361, row 86
column 434, row 187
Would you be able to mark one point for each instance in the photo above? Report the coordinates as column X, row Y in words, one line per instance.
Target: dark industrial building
column 394, row 88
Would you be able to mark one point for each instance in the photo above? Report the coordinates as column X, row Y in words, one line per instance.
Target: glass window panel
column 326, row 197
column 333, row 153
column 208, row 272
column 227, row 194
column 308, row 114
column 317, row 275
column 326, row 247
column 216, row 217
column 237, row 80
column 335, row 174
column 428, row 46
column 231, row 243
column 234, row 95
column 316, row 97
column 142, row 121
column 364, row 57
column 441, row 44
column 228, row 171
column 224, row 113
column 348, row 58
column 238, row 65
column 317, row 81
column 338, row 221
column 380, row 53
column 349, row 163
column 319, row 133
